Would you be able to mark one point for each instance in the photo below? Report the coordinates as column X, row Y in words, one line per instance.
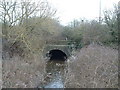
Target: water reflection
column 55, row 74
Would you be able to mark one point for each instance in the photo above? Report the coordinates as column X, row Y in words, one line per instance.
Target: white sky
column 67, row 10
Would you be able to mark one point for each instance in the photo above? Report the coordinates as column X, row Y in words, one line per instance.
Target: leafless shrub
column 21, row 21
column 23, row 73
column 94, row 67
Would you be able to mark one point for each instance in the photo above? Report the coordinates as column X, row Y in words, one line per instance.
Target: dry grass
column 0, row 74
column 23, row 73
column 93, row 67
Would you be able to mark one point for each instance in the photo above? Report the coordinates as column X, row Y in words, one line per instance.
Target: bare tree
column 14, row 14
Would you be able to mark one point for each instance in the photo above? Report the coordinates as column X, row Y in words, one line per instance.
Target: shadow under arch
column 56, row 54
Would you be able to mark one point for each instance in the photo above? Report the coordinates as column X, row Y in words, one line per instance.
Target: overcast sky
column 67, row 10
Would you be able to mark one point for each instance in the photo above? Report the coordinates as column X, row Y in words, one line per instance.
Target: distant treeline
column 104, row 31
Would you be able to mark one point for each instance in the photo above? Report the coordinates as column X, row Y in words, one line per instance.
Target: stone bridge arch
column 56, row 54
column 67, row 49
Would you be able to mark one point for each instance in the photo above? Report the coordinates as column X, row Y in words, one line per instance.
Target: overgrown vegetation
column 93, row 67
column 84, row 32
column 27, row 27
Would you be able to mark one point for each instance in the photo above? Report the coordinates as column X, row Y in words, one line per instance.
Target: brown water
column 55, row 74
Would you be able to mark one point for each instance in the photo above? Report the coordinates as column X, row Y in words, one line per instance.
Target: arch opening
column 57, row 54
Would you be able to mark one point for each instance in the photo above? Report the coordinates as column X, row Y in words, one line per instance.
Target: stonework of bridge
column 67, row 49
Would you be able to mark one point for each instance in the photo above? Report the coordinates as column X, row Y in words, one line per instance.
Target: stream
column 55, row 71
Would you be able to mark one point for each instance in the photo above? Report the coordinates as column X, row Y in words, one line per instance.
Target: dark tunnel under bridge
column 57, row 52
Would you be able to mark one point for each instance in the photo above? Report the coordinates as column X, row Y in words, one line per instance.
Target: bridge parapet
column 60, row 42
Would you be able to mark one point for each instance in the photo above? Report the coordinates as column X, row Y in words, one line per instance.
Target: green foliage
column 74, row 35
column 112, row 23
column 86, row 32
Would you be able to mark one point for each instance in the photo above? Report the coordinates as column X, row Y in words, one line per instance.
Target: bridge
column 58, row 50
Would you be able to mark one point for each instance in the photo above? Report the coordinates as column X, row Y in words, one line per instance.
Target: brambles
column 94, row 67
